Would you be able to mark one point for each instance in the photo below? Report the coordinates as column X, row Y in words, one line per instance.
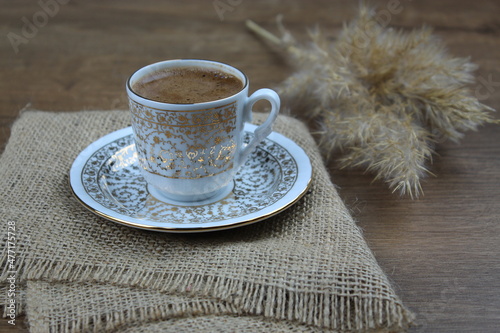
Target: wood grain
column 441, row 251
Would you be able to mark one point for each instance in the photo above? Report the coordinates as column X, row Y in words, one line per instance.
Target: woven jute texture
column 305, row 269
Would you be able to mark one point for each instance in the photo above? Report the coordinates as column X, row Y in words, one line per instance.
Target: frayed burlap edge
column 136, row 312
column 344, row 313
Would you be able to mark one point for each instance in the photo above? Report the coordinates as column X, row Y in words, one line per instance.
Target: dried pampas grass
column 384, row 97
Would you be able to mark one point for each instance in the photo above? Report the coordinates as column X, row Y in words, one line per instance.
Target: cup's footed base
column 191, row 200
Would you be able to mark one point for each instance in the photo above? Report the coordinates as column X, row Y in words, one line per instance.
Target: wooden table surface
column 442, row 251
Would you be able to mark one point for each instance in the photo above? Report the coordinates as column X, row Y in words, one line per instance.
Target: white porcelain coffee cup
column 190, row 153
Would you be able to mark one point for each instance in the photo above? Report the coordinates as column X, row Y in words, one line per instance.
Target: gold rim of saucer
column 198, row 229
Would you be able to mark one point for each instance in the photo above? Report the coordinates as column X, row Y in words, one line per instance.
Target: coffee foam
column 187, row 85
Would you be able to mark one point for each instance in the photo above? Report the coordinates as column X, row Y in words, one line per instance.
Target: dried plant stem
column 263, row 32
column 270, row 37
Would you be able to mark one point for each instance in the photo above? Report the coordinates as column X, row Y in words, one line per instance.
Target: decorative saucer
column 106, row 179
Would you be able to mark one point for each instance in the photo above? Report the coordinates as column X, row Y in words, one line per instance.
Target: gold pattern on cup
column 201, row 141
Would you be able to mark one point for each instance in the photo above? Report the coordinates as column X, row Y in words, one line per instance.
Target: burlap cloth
column 306, row 269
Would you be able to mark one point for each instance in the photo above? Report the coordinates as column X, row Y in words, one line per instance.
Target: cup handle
column 265, row 129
